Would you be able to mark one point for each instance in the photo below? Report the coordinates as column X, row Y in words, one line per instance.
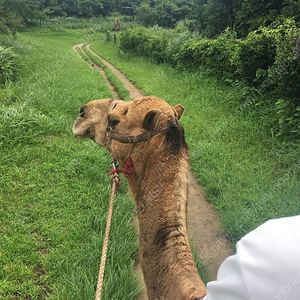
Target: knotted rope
column 128, row 170
column 115, row 184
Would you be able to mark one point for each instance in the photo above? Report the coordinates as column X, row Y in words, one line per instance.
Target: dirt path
column 204, row 227
column 96, row 67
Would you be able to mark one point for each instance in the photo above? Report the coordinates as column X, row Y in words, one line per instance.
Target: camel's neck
column 160, row 193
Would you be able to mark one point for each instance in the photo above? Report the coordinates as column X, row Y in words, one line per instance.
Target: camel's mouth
column 79, row 129
column 83, row 135
column 79, row 135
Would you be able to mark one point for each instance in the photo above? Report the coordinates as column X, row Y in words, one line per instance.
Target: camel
column 144, row 136
column 117, row 24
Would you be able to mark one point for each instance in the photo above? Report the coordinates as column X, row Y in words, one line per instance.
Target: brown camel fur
column 159, row 188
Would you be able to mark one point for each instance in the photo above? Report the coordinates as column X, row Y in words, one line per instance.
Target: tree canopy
column 211, row 17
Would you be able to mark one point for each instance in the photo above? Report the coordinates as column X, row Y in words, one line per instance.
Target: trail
column 204, row 226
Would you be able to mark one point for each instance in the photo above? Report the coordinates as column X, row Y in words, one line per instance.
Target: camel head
column 92, row 122
column 98, row 118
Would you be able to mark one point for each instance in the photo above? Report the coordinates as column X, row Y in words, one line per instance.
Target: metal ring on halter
column 114, row 164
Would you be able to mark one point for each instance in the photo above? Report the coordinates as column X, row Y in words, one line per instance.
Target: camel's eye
column 81, row 112
column 113, row 123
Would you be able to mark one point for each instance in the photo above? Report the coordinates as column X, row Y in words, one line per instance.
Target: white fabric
column 266, row 265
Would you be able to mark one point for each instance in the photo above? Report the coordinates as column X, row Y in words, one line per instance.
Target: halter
column 145, row 136
column 128, row 170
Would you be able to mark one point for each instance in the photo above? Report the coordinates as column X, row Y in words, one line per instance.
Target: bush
column 145, row 42
column 213, row 54
column 9, row 63
column 264, row 62
column 254, row 56
column 284, row 74
column 173, row 47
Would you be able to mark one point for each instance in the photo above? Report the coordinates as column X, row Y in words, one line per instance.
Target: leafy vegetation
column 263, row 64
column 9, row 62
column 208, row 17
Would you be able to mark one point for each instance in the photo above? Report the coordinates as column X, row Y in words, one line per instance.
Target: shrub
column 255, row 54
column 9, row 62
column 145, row 42
column 264, row 62
column 284, row 75
column 191, row 53
column 213, row 54
column 173, row 46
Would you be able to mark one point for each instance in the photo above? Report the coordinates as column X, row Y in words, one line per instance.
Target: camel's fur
column 160, row 189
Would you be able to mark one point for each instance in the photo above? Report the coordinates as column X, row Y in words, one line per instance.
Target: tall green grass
column 54, row 189
column 248, row 174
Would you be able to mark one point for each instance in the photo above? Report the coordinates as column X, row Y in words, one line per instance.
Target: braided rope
column 114, row 181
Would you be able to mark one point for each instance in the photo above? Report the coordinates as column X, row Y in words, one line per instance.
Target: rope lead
column 114, row 181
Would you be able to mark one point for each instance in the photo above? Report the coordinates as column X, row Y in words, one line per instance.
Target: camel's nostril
column 81, row 112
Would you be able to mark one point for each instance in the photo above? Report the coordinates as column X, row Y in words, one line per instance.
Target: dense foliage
column 263, row 64
column 210, row 17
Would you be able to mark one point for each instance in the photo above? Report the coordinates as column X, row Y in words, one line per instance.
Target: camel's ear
column 179, row 109
column 151, row 119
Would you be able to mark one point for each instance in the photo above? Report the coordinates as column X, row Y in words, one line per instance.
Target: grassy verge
column 117, row 84
column 82, row 54
column 249, row 175
column 54, row 190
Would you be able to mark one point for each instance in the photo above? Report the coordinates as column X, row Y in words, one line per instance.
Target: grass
column 249, row 175
column 54, row 189
column 117, row 84
column 83, row 55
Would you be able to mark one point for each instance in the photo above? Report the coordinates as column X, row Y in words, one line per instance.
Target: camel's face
column 140, row 115
column 129, row 118
column 92, row 122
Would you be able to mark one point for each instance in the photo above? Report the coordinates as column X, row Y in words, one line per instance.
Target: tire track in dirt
column 204, row 226
column 98, row 68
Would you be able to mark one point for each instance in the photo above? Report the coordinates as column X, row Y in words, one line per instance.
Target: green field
column 54, row 189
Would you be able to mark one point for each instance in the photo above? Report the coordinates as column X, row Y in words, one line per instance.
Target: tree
column 28, row 10
column 217, row 15
column 256, row 13
column 164, row 13
column 10, row 21
column 89, row 7
column 146, row 14
column 291, row 8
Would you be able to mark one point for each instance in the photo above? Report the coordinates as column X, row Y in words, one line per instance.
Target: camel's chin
column 82, row 136
column 100, row 142
column 80, row 133
column 78, row 136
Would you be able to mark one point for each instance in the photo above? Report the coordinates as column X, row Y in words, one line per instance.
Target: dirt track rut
column 204, row 227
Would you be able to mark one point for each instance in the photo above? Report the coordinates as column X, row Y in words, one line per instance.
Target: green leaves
column 9, row 65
